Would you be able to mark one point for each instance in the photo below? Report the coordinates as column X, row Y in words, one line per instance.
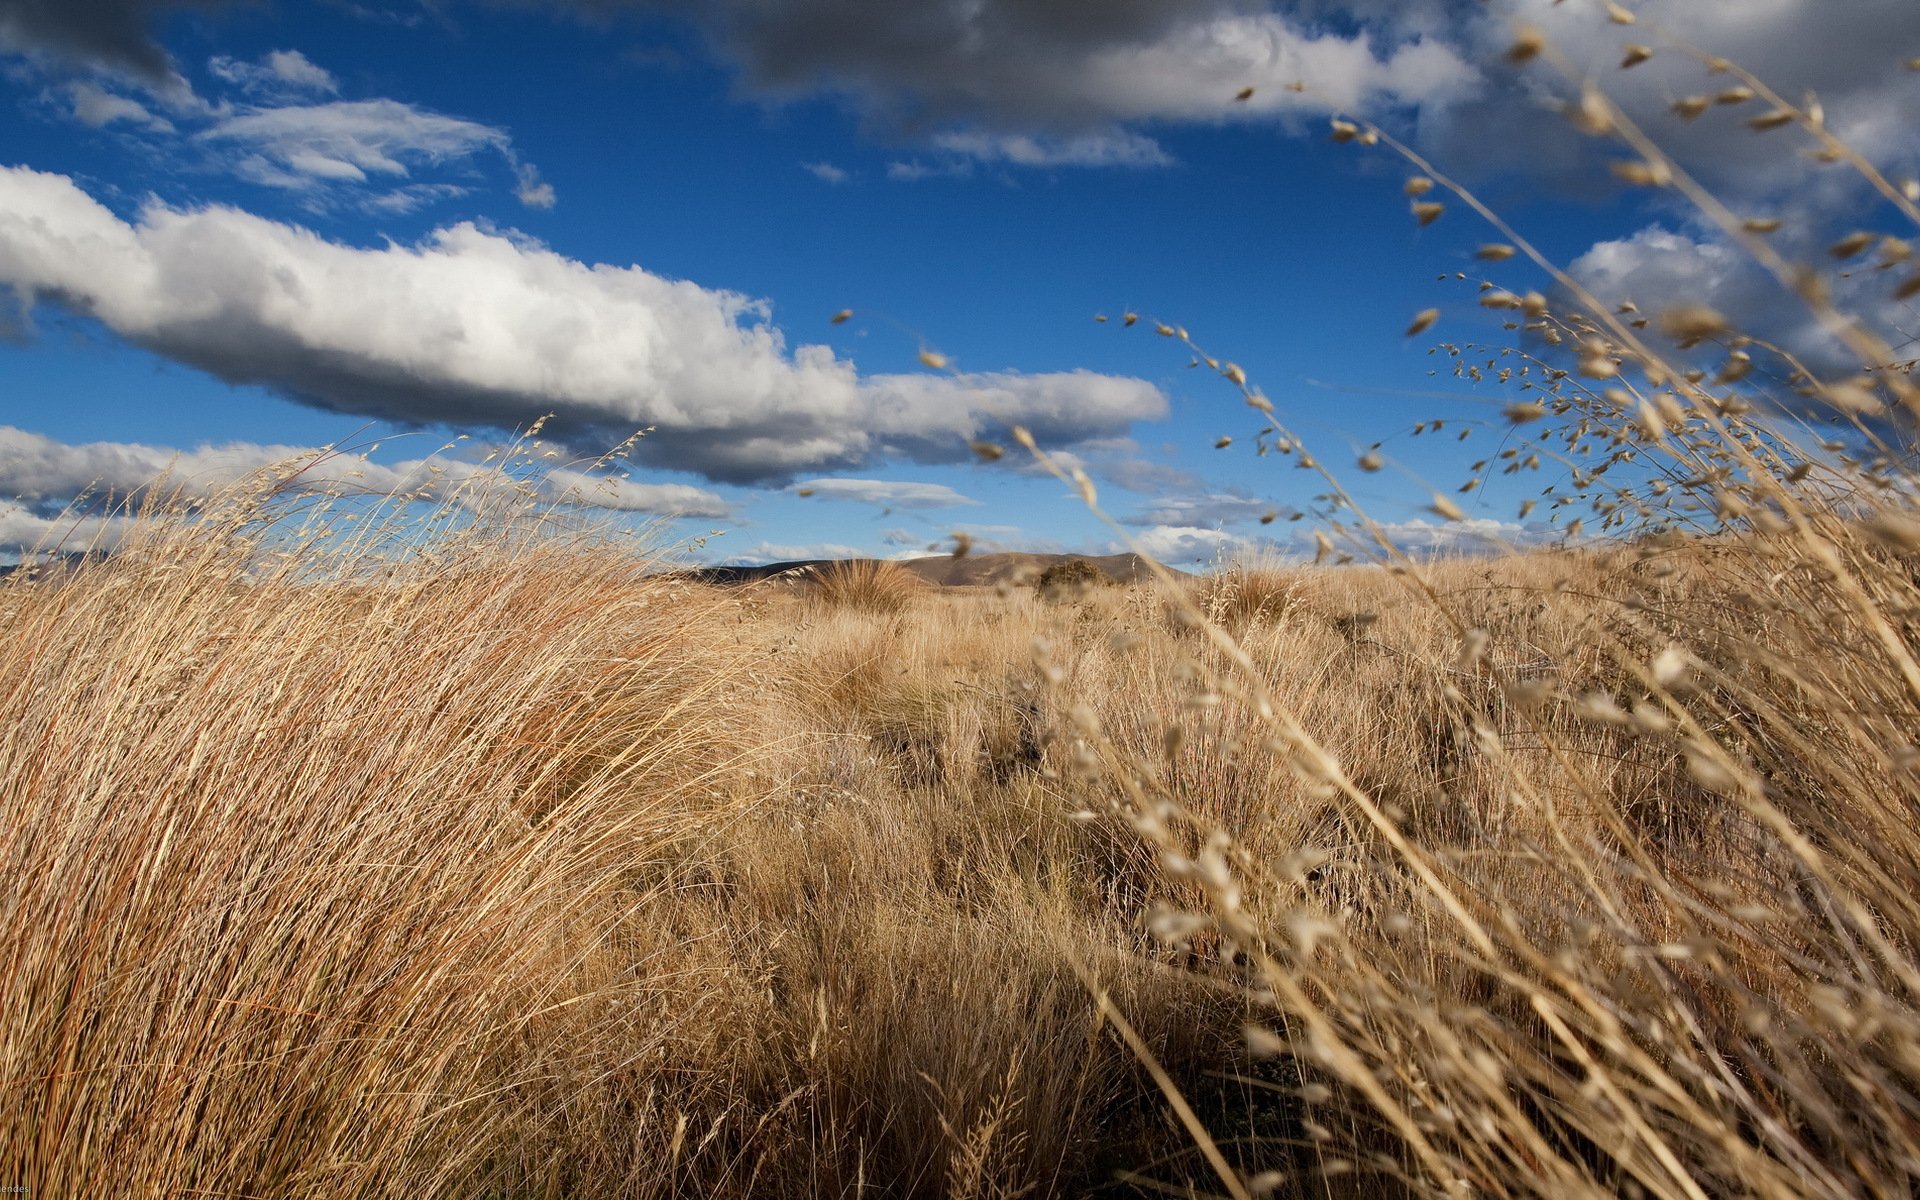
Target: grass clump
column 1069, row 579
column 866, row 585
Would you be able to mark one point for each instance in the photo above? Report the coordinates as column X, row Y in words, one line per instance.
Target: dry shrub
column 1070, row 579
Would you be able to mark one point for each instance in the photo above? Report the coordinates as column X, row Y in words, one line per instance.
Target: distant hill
column 944, row 570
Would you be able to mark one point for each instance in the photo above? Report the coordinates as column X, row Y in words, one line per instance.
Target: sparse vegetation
column 511, row 869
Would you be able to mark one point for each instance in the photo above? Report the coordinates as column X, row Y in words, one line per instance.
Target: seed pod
column 1427, row 211
column 1494, row 252
column 1636, row 54
column 1771, row 120
column 1423, row 321
column 843, row 316
column 1690, row 107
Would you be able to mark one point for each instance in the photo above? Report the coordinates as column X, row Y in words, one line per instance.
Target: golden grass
column 469, row 858
column 522, row 872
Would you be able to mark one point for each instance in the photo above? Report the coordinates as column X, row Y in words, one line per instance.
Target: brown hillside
column 944, row 570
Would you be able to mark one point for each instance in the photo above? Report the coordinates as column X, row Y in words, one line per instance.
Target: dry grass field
column 351, row 853
column 514, row 870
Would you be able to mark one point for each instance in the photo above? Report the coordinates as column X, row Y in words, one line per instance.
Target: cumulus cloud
column 1851, row 55
column 22, row 530
column 479, row 328
column 1186, row 545
column 826, row 172
column 887, row 493
column 1475, row 535
column 1017, row 65
column 1657, row 267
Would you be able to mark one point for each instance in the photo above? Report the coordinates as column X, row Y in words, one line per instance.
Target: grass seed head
column 1690, row 323
column 1528, row 42
column 1851, row 246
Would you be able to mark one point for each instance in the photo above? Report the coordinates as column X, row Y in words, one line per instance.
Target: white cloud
column 826, row 172
column 1115, row 148
column 777, row 552
column 1185, row 545
column 48, row 475
column 1211, row 509
column 627, row 495
column 352, row 139
column 478, row 328
column 280, row 73
column 97, row 108
column 1475, row 535
column 22, row 530
column 276, row 127
column 887, row 493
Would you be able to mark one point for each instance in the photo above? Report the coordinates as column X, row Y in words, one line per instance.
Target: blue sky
column 231, row 231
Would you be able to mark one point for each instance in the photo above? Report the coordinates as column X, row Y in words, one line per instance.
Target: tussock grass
column 871, row 585
column 351, row 854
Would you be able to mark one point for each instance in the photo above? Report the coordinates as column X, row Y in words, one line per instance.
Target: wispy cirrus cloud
column 277, row 122
column 281, row 73
column 886, row 493
column 311, row 147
